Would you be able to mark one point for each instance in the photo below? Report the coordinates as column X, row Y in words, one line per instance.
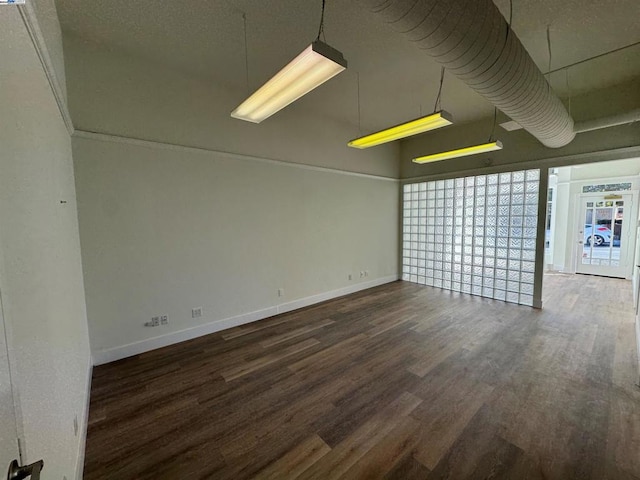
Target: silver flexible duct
column 474, row 43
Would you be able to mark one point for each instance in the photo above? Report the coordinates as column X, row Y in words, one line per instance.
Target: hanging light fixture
column 437, row 119
column 490, row 146
column 315, row 65
column 413, row 127
column 460, row 152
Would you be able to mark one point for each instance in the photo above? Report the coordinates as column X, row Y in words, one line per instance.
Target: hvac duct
column 474, row 43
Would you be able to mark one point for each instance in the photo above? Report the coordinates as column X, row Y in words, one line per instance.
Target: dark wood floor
column 400, row 381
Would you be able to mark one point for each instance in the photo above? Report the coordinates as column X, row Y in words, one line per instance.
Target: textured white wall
column 40, row 270
column 166, row 230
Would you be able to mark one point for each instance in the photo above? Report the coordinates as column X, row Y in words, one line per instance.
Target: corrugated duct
column 474, row 43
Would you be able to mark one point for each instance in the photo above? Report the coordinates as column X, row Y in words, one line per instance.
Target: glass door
column 603, row 241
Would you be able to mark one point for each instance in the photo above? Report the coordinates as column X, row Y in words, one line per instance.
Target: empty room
column 320, row 239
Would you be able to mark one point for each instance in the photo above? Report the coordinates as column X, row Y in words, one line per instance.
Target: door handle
column 16, row 472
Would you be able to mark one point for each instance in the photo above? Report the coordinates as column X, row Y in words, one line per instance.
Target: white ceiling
column 397, row 81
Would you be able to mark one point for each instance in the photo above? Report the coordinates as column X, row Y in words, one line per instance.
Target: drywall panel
column 40, row 270
column 165, row 230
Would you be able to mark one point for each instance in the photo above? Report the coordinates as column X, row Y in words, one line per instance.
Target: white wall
column 40, row 270
column 164, row 230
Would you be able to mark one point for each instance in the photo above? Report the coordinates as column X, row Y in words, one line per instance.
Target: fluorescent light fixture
column 315, row 65
column 413, row 127
column 461, row 152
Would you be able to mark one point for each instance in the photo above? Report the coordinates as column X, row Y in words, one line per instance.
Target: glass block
column 429, row 281
column 487, row 292
column 492, row 179
column 528, row 255
column 504, row 189
column 407, row 188
column 526, row 288
column 466, row 278
column 456, row 277
column 446, row 284
column 439, row 184
column 526, row 277
column 406, row 277
column 528, row 266
column 500, row 273
column 517, row 199
column 469, row 193
column 515, row 232
column 514, row 253
column 499, row 294
column 503, row 240
column 532, row 175
column 531, row 198
column 491, row 201
column 466, row 288
column 515, row 243
column 477, row 290
column 478, row 241
column 490, row 241
column 529, row 244
column 488, row 275
column 513, row 286
column 478, row 260
column 489, row 252
column 476, row 280
column 505, row 177
column 513, row 297
column 530, row 222
column 529, row 233
column 437, row 282
column 500, row 284
column 515, row 265
column 455, row 286
column 504, row 200
column 414, row 278
column 517, row 176
column 480, row 190
column 422, row 280
column 466, row 268
column 501, row 261
column 459, row 182
column 513, row 275
column 489, row 261
column 449, row 183
column 532, row 187
column 526, row 300
column 470, row 181
column 531, row 210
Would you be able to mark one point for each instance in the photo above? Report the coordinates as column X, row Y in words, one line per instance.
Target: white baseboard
column 101, row 357
column 84, row 425
column 638, row 343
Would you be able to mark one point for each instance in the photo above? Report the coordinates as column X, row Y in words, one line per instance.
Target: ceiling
column 397, row 81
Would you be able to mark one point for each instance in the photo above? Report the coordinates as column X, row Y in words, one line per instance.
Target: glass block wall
column 474, row 234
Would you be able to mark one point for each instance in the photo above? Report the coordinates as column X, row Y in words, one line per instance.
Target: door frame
column 577, row 210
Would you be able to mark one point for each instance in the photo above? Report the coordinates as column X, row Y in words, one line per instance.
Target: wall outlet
column 366, row 273
column 155, row 321
column 196, row 312
column 281, row 292
column 164, row 320
column 361, row 274
column 350, row 277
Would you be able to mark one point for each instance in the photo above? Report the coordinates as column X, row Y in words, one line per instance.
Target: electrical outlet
column 164, row 320
column 350, row 277
column 196, row 312
column 281, row 292
column 366, row 273
column 361, row 274
column 155, row 321
column 75, row 425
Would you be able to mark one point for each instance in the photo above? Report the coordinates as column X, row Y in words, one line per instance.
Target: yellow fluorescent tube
column 315, row 65
column 461, row 152
column 414, row 127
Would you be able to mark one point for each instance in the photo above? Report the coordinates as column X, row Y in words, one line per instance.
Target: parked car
column 601, row 235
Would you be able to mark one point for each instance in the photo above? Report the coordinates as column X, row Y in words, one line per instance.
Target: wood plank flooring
column 396, row 382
